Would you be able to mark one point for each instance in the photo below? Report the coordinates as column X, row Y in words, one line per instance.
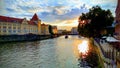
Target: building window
column 24, row 31
column 18, row 28
column 4, row 23
column 9, row 27
column 14, row 24
column 9, row 24
column 14, row 27
column 4, row 27
column 19, row 31
column 4, row 30
column 14, row 31
column 9, row 31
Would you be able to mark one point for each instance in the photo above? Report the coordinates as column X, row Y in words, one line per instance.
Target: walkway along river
column 51, row 53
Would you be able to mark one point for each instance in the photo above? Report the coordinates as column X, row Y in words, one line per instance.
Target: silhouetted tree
column 50, row 30
column 92, row 59
column 99, row 20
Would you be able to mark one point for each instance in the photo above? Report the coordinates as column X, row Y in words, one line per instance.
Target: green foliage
column 99, row 19
column 84, row 30
column 92, row 59
column 50, row 30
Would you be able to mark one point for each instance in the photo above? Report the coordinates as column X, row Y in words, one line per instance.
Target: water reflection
column 51, row 53
column 83, row 47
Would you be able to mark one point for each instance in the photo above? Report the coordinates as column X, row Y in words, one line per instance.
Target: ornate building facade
column 17, row 26
column 45, row 29
column 55, row 30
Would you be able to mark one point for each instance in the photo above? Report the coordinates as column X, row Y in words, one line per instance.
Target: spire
column 35, row 17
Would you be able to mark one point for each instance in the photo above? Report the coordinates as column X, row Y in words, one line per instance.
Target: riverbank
column 106, row 53
column 92, row 57
column 96, row 48
column 96, row 54
column 22, row 38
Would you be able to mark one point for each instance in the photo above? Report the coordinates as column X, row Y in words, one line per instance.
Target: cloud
column 105, row 4
column 2, row 8
column 67, row 14
column 52, row 11
column 103, row 1
column 10, row 10
column 71, row 22
column 61, row 10
column 1, row 4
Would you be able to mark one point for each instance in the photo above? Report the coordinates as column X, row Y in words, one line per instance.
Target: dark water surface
column 51, row 53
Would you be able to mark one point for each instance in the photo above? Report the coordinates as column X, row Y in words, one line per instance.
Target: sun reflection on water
column 83, row 47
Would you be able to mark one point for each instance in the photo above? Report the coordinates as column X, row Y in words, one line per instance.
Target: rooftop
column 33, row 21
column 10, row 19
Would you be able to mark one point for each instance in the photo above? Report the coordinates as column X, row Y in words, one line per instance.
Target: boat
column 66, row 36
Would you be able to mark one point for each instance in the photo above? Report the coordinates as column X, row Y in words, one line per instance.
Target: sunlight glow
column 83, row 47
column 72, row 23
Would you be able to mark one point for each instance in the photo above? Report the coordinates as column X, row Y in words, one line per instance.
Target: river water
column 51, row 53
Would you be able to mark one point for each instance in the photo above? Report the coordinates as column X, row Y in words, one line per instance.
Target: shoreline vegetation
column 95, row 50
column 27, row 37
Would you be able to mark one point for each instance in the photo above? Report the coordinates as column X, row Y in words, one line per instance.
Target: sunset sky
column 57, row 12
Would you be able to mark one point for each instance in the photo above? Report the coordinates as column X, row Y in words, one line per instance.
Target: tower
column 37, row 22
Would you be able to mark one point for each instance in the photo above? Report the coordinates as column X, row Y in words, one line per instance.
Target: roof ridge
column 35, row 17
column 9, row 17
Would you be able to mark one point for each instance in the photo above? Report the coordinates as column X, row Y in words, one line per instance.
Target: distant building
column 17, row 26
column 60, row 31
column 37, row 21
column 55, row 30
column 117, row 30
column 117, row 27
column 118, row 12
column 74, row 30
column 45, row 29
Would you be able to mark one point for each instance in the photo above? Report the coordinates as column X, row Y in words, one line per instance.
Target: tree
column 92, row 59
column 50, row 30
column 99, row 20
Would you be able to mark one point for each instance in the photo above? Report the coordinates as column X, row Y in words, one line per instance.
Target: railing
column 102, row 52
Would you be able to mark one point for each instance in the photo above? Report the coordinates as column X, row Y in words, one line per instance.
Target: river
column 51, row 53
